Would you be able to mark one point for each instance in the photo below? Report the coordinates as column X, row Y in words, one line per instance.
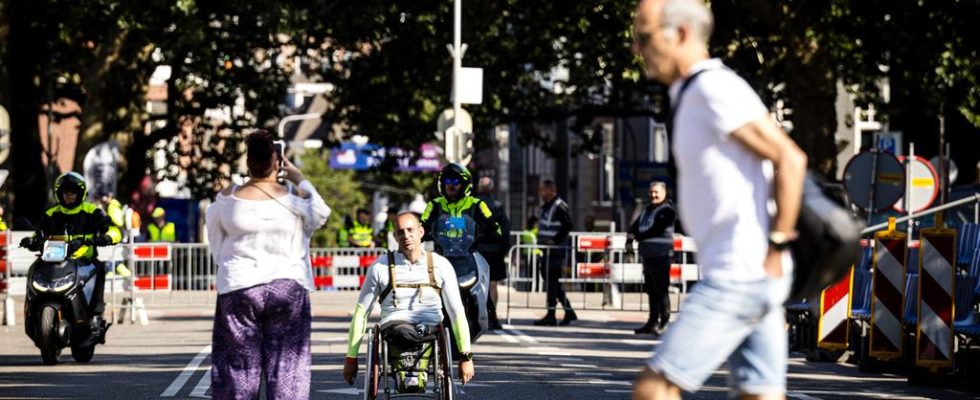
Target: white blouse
column 254, row 242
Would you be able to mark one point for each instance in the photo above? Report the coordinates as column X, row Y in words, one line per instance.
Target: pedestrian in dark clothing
column 654, row 229
column 494, row 251
column 555, row 225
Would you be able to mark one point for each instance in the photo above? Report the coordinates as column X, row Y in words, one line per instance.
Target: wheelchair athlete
column 411, row 309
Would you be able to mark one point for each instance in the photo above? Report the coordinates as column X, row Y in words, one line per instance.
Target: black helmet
column 73, row 182
column 456, row 171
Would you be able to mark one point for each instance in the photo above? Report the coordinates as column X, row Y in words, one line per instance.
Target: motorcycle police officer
column 458, row 222
column 79, row 219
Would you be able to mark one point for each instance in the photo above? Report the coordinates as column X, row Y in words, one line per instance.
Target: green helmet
column 70, row 182
column 458, row 172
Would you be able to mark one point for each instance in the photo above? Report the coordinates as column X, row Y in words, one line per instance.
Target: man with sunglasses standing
column 457, row 223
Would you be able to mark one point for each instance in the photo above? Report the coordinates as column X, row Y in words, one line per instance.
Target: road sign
column 925, row 185
column 876, row 169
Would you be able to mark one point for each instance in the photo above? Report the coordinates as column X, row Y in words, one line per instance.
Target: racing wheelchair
column 383, row 368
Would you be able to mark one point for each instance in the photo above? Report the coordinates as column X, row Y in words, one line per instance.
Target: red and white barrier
column 888, row 295
column 934, row 335
column 833, row 330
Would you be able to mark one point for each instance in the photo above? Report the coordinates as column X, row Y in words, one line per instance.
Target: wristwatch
column 467, row 356
column 779, row 241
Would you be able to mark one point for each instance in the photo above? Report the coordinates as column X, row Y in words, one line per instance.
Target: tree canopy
column 390, row 69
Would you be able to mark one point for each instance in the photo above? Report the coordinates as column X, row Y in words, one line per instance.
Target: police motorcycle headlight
column 58, row 285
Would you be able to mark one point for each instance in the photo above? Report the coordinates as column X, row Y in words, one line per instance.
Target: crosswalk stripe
column 507, row 336
column 186, row 373
column 524, row 337
column 201, row 389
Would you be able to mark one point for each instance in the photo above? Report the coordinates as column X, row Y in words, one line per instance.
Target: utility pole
column 457, row 52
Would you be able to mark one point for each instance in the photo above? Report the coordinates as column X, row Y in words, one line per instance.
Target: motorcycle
column 56, row 308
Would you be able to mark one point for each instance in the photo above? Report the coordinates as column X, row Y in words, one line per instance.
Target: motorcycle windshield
column 51, row 272
column 455, row 235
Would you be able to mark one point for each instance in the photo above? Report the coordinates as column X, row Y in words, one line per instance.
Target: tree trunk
column 25, row 58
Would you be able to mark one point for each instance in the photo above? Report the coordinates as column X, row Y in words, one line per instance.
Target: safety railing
column 596, row 272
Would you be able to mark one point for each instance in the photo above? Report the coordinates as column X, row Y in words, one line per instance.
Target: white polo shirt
column 723, row 187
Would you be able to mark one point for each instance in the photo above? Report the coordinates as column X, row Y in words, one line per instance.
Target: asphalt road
column 596, row 358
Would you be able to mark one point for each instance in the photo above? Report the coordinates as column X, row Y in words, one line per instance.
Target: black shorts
column 498, row 268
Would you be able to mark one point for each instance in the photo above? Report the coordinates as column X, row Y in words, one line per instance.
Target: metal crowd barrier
column 597, row 272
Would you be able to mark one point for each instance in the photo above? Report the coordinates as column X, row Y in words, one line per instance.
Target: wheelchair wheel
column 445, row 365
column 373, row 373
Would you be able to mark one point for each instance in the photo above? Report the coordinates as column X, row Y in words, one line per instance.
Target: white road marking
column 201, row 389
column 578, row 366
column 507, row 336
column 524, row 337
column 554, row 354
column 617, row 383
column 186, row 374
column 637, row 342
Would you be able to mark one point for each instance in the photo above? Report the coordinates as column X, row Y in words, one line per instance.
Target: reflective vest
column 167, row 234
column 356, row 235
column 84, row 211
column 548, row 225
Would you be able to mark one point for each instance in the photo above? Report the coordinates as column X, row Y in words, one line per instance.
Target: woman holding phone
column 259, row 234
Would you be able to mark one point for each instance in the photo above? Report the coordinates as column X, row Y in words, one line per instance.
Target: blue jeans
column 741, row 322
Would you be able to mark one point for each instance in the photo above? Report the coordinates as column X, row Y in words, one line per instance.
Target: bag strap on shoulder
column 391, row 280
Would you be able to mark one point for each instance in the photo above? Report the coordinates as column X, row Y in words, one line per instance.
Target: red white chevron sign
column 835, row 306
column 887, row 295
column 934, row 336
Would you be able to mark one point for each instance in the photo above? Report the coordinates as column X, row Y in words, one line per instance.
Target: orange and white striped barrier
column 835, row 305
column 888, row 294
column 934, row 334
column 342, row 269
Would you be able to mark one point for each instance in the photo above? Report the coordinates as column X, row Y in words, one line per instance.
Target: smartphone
column 280, row 147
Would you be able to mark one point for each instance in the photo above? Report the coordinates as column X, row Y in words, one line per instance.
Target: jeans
column 741, row 322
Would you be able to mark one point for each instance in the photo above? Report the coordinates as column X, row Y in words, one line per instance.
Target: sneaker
column 569, row 317
column 548, row 320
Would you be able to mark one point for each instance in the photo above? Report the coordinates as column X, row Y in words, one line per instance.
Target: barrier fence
column 597, row 272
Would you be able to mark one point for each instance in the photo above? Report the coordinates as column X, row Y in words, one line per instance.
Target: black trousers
column 555, row 264
column 97, row 304
column 656, row 281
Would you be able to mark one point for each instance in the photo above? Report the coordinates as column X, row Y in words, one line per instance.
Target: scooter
column 56, row 309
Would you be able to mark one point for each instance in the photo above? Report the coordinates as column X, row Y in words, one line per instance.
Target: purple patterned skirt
column 264, row 328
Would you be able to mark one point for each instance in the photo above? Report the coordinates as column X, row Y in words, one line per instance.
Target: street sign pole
column 457, row 66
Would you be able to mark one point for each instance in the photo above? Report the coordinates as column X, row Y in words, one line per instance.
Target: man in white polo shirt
column 424, row 283
column 732, row 162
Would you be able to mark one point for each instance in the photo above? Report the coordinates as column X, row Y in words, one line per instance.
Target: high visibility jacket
column 86, row 221
column 555, row 223
column 166, row 234
column 114, row 210
column 356, row 234
column 486, row 227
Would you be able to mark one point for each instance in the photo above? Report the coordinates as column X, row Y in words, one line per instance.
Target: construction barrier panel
column 888, row 294
column 833, row 330
column 934, row 335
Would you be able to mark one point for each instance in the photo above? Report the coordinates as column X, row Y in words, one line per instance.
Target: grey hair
column 658, row 183
column 693, row 13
